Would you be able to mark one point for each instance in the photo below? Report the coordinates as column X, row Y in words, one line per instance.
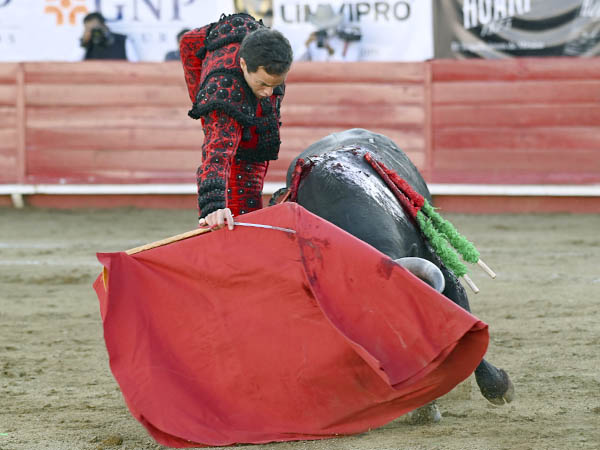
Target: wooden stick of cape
column 169, row 240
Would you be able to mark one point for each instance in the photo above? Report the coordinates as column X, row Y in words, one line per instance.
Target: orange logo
column 65, row 8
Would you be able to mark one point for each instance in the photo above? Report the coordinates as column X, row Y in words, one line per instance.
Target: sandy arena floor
column 57, row 391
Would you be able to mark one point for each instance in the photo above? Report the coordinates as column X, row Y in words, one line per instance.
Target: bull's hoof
column 430, row 413
column 498, row 391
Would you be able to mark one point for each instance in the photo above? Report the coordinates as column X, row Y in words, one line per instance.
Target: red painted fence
column 517, row 121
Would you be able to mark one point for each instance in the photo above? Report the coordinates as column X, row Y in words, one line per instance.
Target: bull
column 342, row 187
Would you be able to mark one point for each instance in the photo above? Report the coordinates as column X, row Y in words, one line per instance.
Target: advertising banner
column 383, row 30
column 49, row 30
column 508, row 28
column 259, row 9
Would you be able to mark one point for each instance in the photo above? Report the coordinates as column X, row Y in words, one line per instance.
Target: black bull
column 343, row 188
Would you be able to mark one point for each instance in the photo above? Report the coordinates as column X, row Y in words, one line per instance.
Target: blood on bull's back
column 339, row 185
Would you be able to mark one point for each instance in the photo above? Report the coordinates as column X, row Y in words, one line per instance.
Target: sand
column 57, row 391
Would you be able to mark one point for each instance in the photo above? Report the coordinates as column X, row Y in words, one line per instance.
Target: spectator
column 332, row 40
column 98, row 42
column 174, row 55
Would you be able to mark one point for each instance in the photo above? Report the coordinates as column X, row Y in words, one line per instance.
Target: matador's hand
column 217, row 219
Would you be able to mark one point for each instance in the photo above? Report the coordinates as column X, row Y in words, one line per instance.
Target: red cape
column 255, row 335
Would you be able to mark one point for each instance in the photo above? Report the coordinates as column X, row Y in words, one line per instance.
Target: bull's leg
column 494, row 383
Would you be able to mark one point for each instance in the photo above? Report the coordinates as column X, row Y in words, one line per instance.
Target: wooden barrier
column 11, row 168
column 518, row 121
column 114, row 122
column 98, row 122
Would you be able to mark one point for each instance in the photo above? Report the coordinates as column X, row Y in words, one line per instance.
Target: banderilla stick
column 470, row 283
column 486, row 269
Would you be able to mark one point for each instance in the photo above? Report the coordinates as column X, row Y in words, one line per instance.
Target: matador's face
column 261, row 82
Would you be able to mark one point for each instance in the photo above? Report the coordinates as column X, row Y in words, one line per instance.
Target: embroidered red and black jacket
column 241, row 132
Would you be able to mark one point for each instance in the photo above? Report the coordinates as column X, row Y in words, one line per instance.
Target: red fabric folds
column 256, row 335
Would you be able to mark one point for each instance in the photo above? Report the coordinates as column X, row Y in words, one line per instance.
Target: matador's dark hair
column 267, row 48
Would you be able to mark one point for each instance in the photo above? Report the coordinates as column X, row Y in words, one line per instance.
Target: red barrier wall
column 11, row 123
column 108, row 123
column 517, row 121
column 98, row 122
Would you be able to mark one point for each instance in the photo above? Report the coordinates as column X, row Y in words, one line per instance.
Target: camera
column 321, row 38
column 350, row 34
column 98, row 36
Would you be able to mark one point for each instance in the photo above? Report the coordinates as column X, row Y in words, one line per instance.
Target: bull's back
column 344, row 189
column 382, row 147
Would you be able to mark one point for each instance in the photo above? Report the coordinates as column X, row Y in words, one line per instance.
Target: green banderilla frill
column 440, row 233
column 436, row 229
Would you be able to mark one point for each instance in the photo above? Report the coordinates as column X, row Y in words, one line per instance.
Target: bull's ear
column 279, row 196
column 424, row 270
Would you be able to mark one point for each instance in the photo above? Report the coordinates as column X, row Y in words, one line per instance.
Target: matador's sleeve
column 222, row 135
column 191, row 49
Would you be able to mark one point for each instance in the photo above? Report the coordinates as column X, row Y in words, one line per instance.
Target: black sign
column 508, row 28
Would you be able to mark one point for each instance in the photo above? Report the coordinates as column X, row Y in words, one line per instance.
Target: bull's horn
column 425, row 270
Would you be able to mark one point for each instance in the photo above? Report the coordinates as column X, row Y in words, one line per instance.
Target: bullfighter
column 235, row 70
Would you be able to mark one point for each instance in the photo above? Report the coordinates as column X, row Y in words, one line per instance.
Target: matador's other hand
column 217, row 219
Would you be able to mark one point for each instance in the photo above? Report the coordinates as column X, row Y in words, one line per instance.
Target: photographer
column 98, row 42
column 332, row 41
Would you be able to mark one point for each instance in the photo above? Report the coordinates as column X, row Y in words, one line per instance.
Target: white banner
column 392, row 30
column 49, row 30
